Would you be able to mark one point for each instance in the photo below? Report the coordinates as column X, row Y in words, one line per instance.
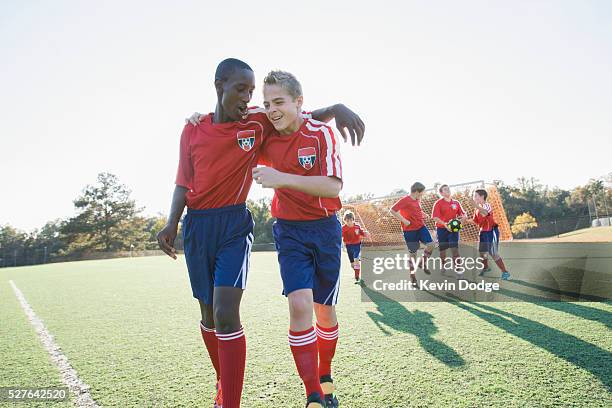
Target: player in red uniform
column 409, row 212
column 213, row 180
column 306, row 173
column 444, row 210
column 489, row 233
column 352, row 235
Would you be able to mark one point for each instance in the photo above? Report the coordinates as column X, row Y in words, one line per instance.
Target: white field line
column 69, row 374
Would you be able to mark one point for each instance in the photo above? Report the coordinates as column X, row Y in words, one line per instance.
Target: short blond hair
column 285, row 80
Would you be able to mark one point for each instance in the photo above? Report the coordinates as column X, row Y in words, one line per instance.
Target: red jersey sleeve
column 400, row 205
column 435, row 212
column 331, row 155
column 184, row 174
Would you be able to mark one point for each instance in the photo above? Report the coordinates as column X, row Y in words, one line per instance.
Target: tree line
column 108, row 220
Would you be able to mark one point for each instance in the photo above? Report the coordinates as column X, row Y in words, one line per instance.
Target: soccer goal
column 373, row 214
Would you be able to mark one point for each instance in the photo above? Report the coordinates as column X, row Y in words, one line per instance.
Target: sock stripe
column 303, row 340
column 328, row 335
column 206, row 329
column 230, row 336
column 301, row 336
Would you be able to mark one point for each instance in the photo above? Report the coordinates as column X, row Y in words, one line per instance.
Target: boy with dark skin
column 210, row 183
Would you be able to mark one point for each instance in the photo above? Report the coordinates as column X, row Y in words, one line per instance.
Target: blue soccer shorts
column 447, row 239
column 353, row 251
column 217, row 245
column 489, row 242
column 309, row 256
column 414, row 238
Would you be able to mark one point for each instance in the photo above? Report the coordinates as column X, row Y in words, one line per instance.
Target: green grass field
column 130, row 329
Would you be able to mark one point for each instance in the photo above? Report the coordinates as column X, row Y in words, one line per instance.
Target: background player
column 445, row 209
column 352, row 235
column 218, row 228
column 306, row 174
column 409, row 212
column 489, row 233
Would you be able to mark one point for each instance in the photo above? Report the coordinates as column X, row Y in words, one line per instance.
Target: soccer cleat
column 357, row 281
column 484, row 270
column 218, row 397
column 314, row 401
column 506, row 275
column 327, row 385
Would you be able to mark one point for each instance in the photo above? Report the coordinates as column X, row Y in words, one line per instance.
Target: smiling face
column 283, row 101
column 445, row 192
column 235, row 93
column 283, row 110
column 478, row 198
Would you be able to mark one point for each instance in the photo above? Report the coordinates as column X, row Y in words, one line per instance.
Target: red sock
column 232, row 357
column 327, row 337
column 501, row 265
column 356, row 273
column 304, row 349
column 212, row 345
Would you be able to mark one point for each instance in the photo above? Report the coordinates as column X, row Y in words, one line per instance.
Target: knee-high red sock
column 212, row 345
column 501, row 265
column 327, row 338
column 357, row 270
column 232, row 357
column 305, row 353
column 485, row 262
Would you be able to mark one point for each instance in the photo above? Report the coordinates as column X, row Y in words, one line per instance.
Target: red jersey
column 485, row 222
column 311, row 151
column 446, row 211
column 411, row 210
column 216, row 159
column 352, row 235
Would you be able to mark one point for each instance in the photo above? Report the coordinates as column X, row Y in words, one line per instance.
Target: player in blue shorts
column 409, row 212
column 306, row 174
column 213, row 180
column 352, row 235
column 489, row 233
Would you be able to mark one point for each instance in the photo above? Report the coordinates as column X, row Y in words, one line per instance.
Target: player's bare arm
column 346, row 119
column 319, row 186
column 399, row 216
column 166, row 237
column 439, row 221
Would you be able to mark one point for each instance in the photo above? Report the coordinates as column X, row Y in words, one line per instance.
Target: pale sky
column 450, row 92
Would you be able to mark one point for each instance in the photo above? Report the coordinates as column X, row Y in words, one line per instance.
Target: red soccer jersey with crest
column 446, row 211
column 411, row 210
column 216, row 159
column 352, row 235
column 311, row 151
column 485, row 222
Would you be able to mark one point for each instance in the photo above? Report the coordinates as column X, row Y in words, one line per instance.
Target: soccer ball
column 454, row 225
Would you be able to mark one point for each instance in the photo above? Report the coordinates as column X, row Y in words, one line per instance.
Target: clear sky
column 90, row 87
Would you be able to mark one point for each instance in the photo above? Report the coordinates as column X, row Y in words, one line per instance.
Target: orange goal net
column 373, row 214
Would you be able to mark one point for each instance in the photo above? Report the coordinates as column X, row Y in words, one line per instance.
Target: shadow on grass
column 574, row 295
column 392, row 314
column 585, row 355
column 573, row 308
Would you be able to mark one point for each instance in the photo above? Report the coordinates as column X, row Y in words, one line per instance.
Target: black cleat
column 315, row 401
column 327, row 385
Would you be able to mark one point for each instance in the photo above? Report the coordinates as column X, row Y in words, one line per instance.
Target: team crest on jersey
column 246, row 139
column 307, row 157
column 454, row 206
